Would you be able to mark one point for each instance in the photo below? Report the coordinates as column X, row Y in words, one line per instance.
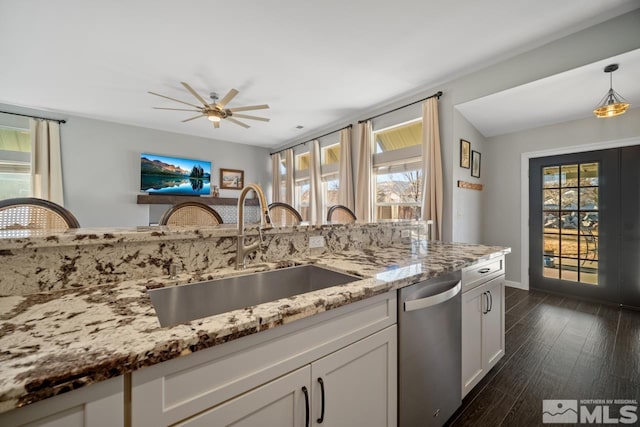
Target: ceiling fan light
column 213, row 118
column 613, row 104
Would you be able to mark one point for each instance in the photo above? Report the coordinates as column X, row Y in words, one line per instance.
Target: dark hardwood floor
column 556, row 348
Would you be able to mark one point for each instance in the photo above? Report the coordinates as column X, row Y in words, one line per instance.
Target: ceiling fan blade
column 249, row 107
column 238, row 122
column 173, row 99
column 216, row 124
column 193, row 118
column 246, row 116
column 194, row 93
column 174, row 109
column 227, row 98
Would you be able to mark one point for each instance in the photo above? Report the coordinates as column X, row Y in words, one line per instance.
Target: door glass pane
column 551, row 200
column 569, row 175
column 589, row 272
column 589, row 174
column 551, row 177
column 550, row 267
column 589, row 198
column 569, row 269
column 569, row 247
column 588, row 247
column 569, row 220
column 551, row 245
column 569, row 198
column 550, row 222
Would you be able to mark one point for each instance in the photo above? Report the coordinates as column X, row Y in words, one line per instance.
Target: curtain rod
column 435, row 95
column 317, row 137
column 33, row 117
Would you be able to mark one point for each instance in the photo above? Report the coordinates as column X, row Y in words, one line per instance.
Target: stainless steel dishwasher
column 429, row 351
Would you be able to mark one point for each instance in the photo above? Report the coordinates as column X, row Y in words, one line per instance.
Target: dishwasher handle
column 418, row 304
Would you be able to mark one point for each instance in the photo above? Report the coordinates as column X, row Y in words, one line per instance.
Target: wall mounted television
column 174, row 175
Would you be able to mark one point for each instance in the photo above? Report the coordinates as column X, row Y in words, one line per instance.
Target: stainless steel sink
column 179, row 304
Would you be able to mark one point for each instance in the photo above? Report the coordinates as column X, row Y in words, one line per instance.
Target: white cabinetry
column 482, row 321
column 97, row 405
column 360, row 383
column 352, row 349
column 355, row 386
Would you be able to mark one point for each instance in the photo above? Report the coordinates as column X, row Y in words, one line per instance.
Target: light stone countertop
column 51, row 343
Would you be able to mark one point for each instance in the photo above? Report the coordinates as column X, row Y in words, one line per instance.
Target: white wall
column 503, row 224
column 101, row 165
column 610, row 38
column 468, row 212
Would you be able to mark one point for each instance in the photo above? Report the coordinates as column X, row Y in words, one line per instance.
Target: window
column 330, row 176
column 15, row 163
column 283, row 179
column 398, row 190
column 397, row 168
column 302, row 197
column 303, row 185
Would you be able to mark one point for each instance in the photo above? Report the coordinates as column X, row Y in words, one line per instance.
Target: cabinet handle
column 490, row 301
column 306, row 406
column 321, row 419
column 484, row 270
column 485, row 309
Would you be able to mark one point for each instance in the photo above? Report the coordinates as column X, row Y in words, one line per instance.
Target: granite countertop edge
column 61, row 341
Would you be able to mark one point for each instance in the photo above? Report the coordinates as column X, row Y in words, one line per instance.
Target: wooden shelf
column 161, row 199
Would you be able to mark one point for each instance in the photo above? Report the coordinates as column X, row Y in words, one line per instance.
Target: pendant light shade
column 613, row 104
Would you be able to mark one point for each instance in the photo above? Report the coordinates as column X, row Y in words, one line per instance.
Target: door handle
column 306, row 405
column 490, row 301
column 484, row 270
column 421, row 303
column 321, row 419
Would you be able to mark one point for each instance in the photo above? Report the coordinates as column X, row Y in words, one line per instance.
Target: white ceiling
column 571, row 95
column 315, row 63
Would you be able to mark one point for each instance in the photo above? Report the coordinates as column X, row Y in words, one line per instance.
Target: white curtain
column 46, row 163
column 288, row 162
column 345, row 191
column 432, row 191
column 275, row 178
column 315, row 199
column 364, row 177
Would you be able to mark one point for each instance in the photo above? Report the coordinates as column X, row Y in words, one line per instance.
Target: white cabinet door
column 482, row 331
column 281, row 403
column 473, row 307
column 96, row 405
column 360, row 384
column 493, row 324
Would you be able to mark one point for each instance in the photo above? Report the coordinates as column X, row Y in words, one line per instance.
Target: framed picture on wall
column 465, row 154
column 475, row 164
column 231, row 179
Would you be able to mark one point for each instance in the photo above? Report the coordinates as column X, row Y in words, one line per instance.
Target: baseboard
column 517, row 285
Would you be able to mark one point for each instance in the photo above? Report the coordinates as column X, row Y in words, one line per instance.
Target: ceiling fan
column 215, row 111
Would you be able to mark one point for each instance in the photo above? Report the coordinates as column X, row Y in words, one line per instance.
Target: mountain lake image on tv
column 174, row 175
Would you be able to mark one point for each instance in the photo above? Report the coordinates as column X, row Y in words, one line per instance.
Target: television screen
column 174, row 175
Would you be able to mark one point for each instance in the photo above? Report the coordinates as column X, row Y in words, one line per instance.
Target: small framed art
column 465, row 154
column 475, row 164
column 231, row 179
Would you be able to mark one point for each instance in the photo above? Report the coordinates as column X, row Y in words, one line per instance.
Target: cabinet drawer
column 481, row 273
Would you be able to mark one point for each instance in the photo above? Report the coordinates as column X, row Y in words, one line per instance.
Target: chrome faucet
column 265, row 223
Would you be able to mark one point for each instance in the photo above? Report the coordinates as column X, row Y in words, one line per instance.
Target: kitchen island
column 65, row 339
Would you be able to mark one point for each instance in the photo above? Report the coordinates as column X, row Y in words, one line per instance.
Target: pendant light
column 613, row 104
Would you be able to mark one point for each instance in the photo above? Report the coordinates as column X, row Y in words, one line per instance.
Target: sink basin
column 179, row 304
